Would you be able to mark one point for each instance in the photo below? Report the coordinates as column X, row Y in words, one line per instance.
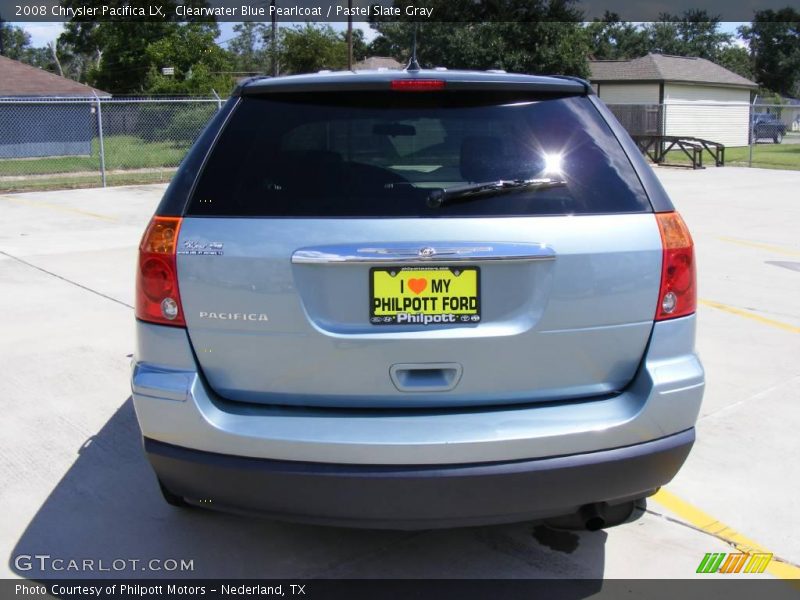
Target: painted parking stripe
column 750, row 315
column 69, row 209
column 770, row 247
column 705, row 522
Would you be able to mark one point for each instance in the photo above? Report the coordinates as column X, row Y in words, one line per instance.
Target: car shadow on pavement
column 107, row 509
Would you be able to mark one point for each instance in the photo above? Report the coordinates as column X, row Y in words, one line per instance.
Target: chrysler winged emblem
column 426, row 252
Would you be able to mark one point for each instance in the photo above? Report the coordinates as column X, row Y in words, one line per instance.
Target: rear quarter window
column 379, row 154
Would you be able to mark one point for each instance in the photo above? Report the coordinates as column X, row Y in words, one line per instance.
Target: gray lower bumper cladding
column 418, row 497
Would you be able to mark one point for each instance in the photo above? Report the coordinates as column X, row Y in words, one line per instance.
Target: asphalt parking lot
column 76, row 485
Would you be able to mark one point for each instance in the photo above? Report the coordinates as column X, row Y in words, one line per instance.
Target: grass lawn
column 765, row 156
column 129, row 153
column 57, row 182
column 121, row 151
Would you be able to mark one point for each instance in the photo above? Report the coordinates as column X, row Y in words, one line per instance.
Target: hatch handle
column 425, row 377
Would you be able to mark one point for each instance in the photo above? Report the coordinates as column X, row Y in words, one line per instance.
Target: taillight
column 678, row 294
column 417, row 85
column 157, row 296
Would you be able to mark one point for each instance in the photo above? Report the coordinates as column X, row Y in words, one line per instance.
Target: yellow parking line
column 68, row 209
column 749, row 315
column 770, row 247
column 705, row 522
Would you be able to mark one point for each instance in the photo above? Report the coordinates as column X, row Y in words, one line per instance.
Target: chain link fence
column 53, row 143
column 82, row 142
column 754, row 135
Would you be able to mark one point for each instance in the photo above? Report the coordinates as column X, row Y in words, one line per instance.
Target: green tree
column 394, row 39
column 694, row 33
column 515, row 35
column 55, row 57
column 774, row 41
column 116, row 53
column 16, row 42
column 360, row 46
column 310, row 48
column 113, row 55
column 249, row 51
column 81, row 47
column 613, row 39
column 199, row 64
column 41, row 58
column 736, row 59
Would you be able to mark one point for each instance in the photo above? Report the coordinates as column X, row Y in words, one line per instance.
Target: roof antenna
column 413, row 64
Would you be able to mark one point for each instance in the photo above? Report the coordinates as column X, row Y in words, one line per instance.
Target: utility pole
column 349, row 35
column 274, row 40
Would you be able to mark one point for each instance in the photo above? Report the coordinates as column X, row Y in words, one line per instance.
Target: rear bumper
column 419, row 496
column 174, row 405
column 412, row 469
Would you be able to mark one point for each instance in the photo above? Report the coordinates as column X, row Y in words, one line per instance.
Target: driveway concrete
column 76, row 484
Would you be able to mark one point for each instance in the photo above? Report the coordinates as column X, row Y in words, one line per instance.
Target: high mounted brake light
column 678, row 294
column 417, row 85
column 157, row 296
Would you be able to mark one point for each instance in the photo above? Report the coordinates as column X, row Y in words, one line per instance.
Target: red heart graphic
column 417, row 285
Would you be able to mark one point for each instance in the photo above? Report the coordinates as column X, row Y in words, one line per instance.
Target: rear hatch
column 334, row 254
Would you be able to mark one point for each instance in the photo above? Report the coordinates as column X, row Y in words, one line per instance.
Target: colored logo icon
column 741, row 562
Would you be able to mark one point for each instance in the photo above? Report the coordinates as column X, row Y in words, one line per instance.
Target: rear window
column 378, row 154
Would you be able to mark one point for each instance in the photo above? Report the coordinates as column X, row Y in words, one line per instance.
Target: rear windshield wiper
column 475, row 191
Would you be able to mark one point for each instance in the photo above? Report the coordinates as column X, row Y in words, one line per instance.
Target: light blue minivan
column 416, row 299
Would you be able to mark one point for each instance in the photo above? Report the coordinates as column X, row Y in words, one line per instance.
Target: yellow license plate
column 424, row 295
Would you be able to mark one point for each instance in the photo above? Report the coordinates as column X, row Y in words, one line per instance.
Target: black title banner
column 366, row 10
column 391, row 589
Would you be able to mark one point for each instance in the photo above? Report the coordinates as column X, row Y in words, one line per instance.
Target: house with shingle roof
column 20, row 80
column 44, row 114
column 676, row 95
column 374, row 63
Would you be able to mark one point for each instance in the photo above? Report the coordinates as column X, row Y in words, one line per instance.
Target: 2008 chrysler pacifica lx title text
column 416, row 299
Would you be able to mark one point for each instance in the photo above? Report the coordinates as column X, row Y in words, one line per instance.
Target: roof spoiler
column 240, row 85
column 586, row 85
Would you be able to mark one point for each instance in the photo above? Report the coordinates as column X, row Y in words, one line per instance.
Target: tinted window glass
column 174, row 200
column 382, row 154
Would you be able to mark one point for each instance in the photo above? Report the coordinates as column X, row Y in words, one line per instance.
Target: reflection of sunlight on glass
column 552, row 164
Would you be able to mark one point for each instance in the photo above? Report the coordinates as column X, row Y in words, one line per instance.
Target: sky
column 42, row 33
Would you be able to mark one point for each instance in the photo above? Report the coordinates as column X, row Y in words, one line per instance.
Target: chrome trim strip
column 423, row 253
